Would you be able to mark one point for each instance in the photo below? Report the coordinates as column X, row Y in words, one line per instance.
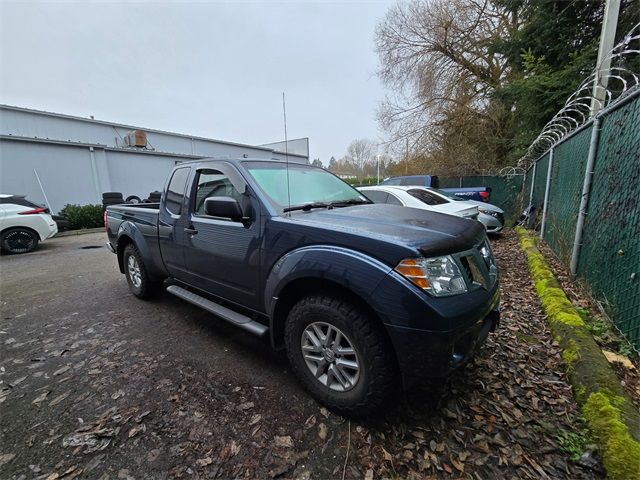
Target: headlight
column 439, row 276
column 483, row 210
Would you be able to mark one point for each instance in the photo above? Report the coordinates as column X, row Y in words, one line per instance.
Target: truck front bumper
column 434, row 336
column 426, row 354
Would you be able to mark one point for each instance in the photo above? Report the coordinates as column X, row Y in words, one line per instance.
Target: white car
column 23, row 224
column 490, row 216
column 418, row 197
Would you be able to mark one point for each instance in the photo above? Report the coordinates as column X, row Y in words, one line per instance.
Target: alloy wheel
column 134, row 271
column 330, row 356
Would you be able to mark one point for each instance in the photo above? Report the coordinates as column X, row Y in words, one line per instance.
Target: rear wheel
column 340, row 355
column 19, row 240
column 140, row 284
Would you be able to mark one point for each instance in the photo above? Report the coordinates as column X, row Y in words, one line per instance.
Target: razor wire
column 614, row 83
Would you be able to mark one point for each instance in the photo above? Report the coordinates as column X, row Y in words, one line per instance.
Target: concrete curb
column 610, row 415
column 84, row 231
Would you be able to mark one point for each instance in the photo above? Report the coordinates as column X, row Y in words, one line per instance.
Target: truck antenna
column 286, row 151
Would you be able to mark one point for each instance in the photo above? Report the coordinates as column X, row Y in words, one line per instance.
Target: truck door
column 223, row 255
column 172, row 220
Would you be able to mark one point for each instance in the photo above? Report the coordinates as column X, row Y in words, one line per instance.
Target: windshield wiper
column 353, row 201
column 308, row 206
column 329, row 205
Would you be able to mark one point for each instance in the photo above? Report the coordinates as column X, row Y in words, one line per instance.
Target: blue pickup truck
column 364, row 297
column 479, row 194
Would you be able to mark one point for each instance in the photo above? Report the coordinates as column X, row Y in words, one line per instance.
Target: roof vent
column 135, row 138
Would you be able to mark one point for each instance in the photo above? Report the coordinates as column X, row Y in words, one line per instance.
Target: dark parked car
column 364, row 297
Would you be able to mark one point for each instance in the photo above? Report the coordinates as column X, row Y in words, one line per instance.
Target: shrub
column 363, row 182
column 83, row 216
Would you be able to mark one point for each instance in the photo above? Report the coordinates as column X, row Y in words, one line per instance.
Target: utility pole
column 378, row 158
column 607, row 39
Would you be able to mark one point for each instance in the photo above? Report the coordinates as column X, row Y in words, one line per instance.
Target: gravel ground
column 98, row 384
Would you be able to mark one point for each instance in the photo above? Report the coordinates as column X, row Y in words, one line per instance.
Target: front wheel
column 140, row 284
column 19, row 240
column 340, row 355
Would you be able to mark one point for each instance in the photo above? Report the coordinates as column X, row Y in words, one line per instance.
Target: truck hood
column 429, row 232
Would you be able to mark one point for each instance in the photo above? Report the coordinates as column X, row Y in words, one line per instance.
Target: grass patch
column 571, row 443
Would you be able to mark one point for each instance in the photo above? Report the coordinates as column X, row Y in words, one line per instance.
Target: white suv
column 23, row 224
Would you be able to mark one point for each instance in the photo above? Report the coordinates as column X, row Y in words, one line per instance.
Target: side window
column 393, row 200
column 376, row 196
column 427, row 197
column 175, row 191
column 212, row 183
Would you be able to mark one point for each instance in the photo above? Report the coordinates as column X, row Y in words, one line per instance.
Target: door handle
column 191, row 231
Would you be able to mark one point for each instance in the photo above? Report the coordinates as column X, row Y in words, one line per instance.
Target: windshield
column 307, row 184
column 450, row 196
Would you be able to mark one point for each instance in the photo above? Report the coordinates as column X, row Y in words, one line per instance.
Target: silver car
column 490, row 216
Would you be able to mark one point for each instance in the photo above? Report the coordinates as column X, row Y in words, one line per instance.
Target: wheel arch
column 21, row 227
column 123, row 241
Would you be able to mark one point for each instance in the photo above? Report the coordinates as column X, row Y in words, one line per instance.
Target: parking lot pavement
column 99, row 384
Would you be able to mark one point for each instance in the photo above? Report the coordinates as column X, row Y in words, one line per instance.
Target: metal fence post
column 533, row 181
column 545, row 204
column 586, row 190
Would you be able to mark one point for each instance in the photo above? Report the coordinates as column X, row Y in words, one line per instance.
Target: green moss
column 620, row 452
column 569, row 319
column 580, row 392
column 570, row 353
column 595, row 385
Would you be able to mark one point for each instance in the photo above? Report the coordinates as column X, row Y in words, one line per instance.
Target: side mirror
column 225, row 207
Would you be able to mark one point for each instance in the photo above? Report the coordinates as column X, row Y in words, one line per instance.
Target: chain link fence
column 606, row 253
column 583, row 178
column 504, row 190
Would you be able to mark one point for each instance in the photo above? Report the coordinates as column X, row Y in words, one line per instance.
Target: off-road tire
column 145, row 287
column 378, row 377
column 115, row 195
column 28, row 240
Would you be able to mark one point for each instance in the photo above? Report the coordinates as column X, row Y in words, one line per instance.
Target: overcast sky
column 213, row 69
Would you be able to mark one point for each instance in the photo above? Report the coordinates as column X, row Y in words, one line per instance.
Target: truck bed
column 142, row 221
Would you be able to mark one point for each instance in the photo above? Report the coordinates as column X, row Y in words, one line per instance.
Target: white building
column 71, row 159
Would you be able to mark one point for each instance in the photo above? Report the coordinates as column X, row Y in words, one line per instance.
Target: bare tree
column 436, row 58
column 361, row 152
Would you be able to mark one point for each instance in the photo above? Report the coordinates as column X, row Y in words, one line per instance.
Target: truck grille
column 479, row 265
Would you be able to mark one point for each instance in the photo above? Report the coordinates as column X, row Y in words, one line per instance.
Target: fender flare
column 350, row 269
column 131, row 231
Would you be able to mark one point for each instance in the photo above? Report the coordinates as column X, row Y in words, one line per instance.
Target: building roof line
column 101, row 146
column 152, row 130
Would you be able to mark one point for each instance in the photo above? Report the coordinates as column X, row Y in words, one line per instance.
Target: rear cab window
column 174, row 197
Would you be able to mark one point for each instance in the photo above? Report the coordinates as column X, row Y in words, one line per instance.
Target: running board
column 225, row 313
